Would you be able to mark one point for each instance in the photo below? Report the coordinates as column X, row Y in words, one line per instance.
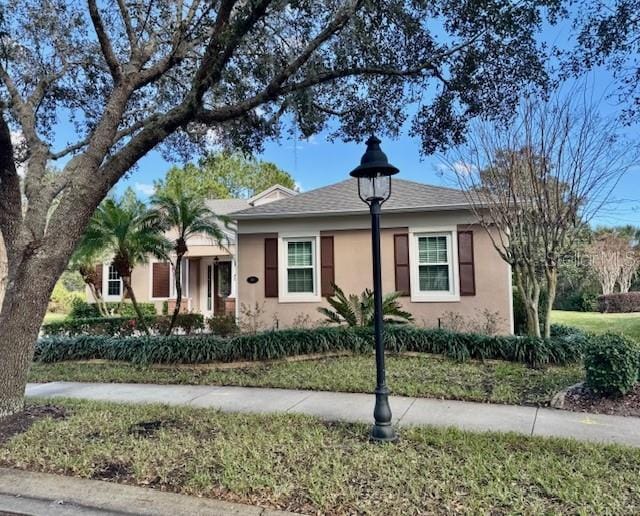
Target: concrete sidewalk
column 359, row 408
column 26, row 492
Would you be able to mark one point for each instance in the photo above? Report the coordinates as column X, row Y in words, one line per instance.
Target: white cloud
column 145, row 188
column 462, row 168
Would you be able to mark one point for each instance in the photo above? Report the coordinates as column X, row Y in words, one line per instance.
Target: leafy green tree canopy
column 225, row 175
column 608, row 37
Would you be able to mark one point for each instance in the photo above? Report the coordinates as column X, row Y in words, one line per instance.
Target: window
column 300, row 267
column 434, row 263
column 433, row 258
column 114, row 283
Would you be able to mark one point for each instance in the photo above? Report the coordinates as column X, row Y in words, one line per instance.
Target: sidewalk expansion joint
column 535, row 418
column 200, row 396
column 407, row 410
column 300, row 401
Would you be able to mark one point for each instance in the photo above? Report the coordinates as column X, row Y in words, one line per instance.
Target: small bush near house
column 611, row 363
column 619, row 302
column 223, row 325
column 484, row 322
column 278, row 344
column 80, row 309
column 252, row 318
column 83, row 310
column 581, row 301
column 564, row 330
column 62, row 300
column 120, row 326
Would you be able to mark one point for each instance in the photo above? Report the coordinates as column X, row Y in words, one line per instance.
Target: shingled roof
column 342, row 198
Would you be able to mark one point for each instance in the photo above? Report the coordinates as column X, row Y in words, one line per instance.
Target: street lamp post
column 374, row 188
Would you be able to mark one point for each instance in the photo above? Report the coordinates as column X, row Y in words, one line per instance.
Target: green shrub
column 80, row 309
column 223, row 325
column 564, row 330
column 611, row 364
column 580, row 301
column 120, row 326
column 279, row 344
column 62, row 299
column 125, row 309
column 619, row 302
column 83, row 310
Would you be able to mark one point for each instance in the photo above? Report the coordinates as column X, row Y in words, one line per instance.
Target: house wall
column 353, row 266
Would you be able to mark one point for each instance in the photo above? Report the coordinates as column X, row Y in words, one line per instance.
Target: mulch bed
column 581, row 399
column 19, row 423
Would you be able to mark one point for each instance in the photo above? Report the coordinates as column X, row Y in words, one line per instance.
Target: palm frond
column 359, row 310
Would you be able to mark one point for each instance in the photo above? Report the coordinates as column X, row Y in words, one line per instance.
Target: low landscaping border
column 122, row 326
column 278, row 344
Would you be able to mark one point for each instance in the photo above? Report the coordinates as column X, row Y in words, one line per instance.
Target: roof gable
column 273, row 191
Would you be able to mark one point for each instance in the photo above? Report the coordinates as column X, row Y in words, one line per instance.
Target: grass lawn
column 425, row 376
column 302, row 464
column 595, row 322
column 51, row 317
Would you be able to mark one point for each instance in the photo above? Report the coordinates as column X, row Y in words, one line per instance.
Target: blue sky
column 317, row 162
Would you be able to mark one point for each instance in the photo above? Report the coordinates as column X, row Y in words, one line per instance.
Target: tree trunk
column 529, row 289
column 178, row 275
column 102, row 309
column 126, row 280
column 24, row 306
column 551, row 274
column 4, row 269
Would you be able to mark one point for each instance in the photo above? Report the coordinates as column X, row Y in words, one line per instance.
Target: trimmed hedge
column 564, row 330
column 278, row 344
column 619, row 302
column 83, row 310
column 120, row 326
column 611, row 363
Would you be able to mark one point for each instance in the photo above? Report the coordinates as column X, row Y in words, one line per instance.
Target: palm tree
column 84, row 262
column 130, row 232
column 189, row 215
column 357, row 310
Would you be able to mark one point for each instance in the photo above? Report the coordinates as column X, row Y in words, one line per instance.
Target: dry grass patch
column 302, row 464
column 425, row 376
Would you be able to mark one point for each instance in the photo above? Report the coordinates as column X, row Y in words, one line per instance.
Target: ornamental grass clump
column 611, row 363
column 273, row 345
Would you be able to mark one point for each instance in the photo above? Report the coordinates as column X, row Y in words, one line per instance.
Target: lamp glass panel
column 378, row 187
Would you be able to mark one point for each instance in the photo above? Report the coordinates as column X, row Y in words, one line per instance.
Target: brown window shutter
column 327, row 274
column 401, row 263
column 466, row 266
column 270, row 267
column 160, row 278
column 97, row 278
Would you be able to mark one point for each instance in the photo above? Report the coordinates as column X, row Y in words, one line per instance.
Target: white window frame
column 284, row 296
column 106, row 266
column 172, row 280
column 434, row 296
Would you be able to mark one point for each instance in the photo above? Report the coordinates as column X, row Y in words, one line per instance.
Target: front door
column 222, row 285
column 216, row 285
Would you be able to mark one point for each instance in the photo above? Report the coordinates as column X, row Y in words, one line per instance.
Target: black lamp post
column 374, row 188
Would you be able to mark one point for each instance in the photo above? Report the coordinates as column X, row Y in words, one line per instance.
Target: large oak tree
column 125, row 76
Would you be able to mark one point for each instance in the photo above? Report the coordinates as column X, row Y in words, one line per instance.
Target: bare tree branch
column 105, row 43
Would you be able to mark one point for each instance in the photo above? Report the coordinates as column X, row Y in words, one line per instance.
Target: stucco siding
column 353, row 270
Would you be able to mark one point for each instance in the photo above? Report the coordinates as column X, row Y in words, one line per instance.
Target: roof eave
column 324, row 213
